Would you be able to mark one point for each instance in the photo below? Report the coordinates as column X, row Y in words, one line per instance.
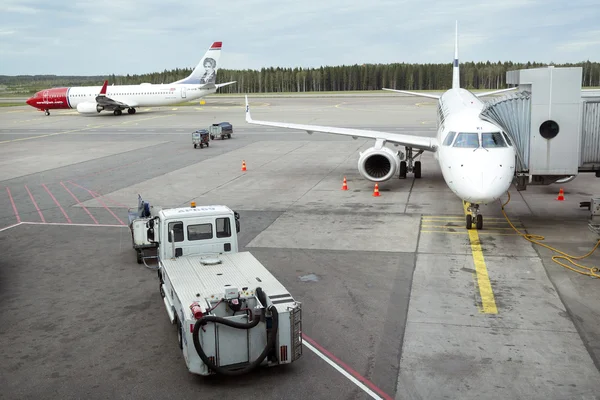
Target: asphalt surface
column 390, row 289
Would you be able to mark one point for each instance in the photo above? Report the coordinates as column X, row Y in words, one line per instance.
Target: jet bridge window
column 492, row 139
column 223, row 228
column 199, row 232
column 177, row 228
column 449, row 138
column 467, row 140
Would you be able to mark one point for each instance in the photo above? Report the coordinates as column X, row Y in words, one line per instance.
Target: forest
column 480, row 75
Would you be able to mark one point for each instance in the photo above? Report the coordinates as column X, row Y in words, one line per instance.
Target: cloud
column 113, row 36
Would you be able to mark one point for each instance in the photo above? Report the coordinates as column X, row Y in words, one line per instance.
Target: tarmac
column 400, row 301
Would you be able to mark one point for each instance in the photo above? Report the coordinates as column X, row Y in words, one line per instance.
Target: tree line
column 480, row 75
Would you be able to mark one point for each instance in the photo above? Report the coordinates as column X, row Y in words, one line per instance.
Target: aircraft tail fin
column 206, row 70
column 455, row 69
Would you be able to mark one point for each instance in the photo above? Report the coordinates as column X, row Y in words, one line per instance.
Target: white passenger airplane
column 476, row 157
column 94, row 99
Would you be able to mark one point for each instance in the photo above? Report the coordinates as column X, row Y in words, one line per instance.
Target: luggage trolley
column 200, row 138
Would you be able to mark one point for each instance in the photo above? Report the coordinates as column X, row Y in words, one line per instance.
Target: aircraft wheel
column 479, row 221
column 417, row 169
column 403, row 169
column 206, row 144
column 195, row 145
column 469, row 221
column 47, row 112
column 131, row 111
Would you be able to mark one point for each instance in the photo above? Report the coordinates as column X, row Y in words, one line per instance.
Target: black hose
column 238, row 325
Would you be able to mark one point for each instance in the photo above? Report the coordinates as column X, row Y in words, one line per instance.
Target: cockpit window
column 449, row 138
column 492, row 139
column 467, row 140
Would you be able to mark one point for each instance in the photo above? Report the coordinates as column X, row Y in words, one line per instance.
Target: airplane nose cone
column 30, row 101
column 486, row 180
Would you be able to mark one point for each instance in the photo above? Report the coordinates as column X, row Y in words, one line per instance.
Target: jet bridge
column 554, row 125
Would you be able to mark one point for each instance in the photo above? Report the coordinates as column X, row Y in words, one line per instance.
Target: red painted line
column 100, row 201
column 78, row 202
column 35, row 204
column 57, row 203
column 13, row 205
column 98, row 194
column 346, row 367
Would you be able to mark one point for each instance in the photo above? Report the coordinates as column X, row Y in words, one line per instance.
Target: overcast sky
column 121, row 37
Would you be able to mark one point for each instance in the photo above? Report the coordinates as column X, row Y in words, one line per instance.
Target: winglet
column 248, row 116
column 103, row 90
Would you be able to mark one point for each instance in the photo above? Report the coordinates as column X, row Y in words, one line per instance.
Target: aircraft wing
column 495, row 92
column 417, row 142
column 109, row 103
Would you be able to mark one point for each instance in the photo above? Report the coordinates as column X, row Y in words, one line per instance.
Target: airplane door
column 183, row 92
column 45, row 96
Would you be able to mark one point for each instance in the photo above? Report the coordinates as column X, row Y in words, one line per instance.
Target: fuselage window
column 467, row 140
column 492, row 139
column 449, row 138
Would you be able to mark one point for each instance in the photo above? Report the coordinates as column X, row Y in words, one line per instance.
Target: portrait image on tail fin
column 210, row 72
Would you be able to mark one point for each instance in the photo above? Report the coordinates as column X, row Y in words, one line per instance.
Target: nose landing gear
column 47, row 112
column 474, row 216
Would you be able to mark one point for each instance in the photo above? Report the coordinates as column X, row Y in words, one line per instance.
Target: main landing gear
column 474, row 216
column 118, row 111
column 409, row 167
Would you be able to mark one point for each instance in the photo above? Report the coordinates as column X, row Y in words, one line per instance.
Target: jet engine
column 89, row 107
column 378, row 164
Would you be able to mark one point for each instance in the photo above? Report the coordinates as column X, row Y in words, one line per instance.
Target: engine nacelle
column 378, row 164
column 88, row 107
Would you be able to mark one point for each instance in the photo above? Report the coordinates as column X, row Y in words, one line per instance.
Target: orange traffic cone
column 345, row 185
column 561, row 195
column 243, row 165
column 376, row 191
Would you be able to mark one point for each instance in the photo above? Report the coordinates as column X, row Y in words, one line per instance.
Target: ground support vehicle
column 200, row 138
column 232, row 315
column 222, row 130
column 139, row 232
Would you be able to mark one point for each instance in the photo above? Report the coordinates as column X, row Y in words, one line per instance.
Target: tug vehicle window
column 177, row 228
column 223, row 228
column 199, row 232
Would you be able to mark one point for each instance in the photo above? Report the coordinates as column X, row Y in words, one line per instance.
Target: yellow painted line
column 466, row 233
column 457, row 226
column 461, row 220
column 14, row 111
column 483, row 280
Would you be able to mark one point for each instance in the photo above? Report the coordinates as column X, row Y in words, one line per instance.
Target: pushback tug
column 232, row 315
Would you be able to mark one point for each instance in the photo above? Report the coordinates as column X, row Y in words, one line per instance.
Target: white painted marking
column 11, row 226
column 67, row 224
column 342, row 371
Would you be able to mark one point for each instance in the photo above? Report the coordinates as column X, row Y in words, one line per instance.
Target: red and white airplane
column 94, row 99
